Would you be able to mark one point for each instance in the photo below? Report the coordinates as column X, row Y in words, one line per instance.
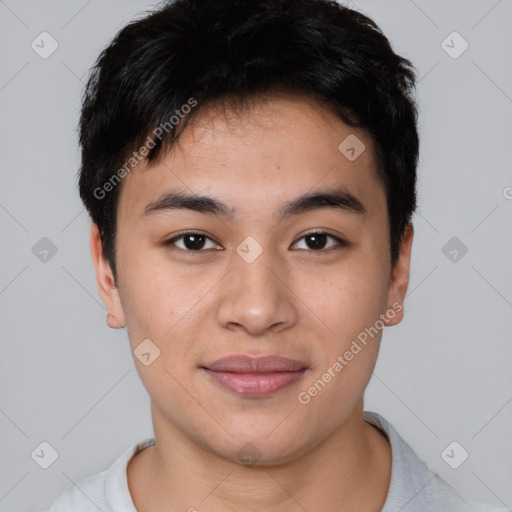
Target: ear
column 400, row 278
column 105, row 281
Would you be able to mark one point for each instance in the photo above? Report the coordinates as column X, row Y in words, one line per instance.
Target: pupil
column 318, row 241
column 197, row 241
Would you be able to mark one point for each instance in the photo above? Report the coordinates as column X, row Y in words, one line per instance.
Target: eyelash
column 341, row 243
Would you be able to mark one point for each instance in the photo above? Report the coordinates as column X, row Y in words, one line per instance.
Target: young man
column 249, row 167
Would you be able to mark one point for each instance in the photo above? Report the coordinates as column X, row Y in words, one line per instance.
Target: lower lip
column 255, row 384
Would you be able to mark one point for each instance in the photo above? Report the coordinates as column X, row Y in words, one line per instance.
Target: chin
column 259, row 451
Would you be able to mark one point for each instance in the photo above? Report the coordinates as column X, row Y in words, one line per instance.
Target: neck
column 352, row 466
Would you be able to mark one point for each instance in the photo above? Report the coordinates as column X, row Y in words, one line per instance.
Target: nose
column 256, row 297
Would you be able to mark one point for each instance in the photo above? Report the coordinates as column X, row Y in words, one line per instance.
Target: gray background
column 444, row 372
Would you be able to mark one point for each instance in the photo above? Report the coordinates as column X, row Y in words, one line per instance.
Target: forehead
column 263, row 153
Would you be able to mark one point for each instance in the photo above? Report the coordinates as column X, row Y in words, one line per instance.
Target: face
column 251, row 279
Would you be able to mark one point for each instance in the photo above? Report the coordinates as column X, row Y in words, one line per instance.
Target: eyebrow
column 329, row 198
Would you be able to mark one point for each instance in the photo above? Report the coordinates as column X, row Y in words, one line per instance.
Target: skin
column 293, row 300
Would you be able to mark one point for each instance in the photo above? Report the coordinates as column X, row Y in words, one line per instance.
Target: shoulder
column 86, row 496
column 106, row 491
column 413, row 487
column 482, row 507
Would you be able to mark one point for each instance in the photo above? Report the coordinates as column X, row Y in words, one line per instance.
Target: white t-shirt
column 413, row 487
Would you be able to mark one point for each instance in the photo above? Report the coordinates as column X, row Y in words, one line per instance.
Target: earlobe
column 400, row 278
column 106, row 282
column 112, row 322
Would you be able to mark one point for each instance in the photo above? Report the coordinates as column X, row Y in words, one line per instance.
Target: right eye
column 191, row 241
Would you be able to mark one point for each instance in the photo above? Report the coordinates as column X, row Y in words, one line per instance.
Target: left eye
column 195, row 242
column 317, row 241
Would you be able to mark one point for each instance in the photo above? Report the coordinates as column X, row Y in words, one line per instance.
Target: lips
column 247, row 364
column 255, row 377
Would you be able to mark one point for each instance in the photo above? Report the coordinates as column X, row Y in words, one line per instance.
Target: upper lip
column 246, row 364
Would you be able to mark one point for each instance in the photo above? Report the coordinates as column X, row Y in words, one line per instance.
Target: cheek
column 348, row 300
column 152, row 298
column 164, row 309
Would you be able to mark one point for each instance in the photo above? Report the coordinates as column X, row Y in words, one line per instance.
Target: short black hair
column 195, row 52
